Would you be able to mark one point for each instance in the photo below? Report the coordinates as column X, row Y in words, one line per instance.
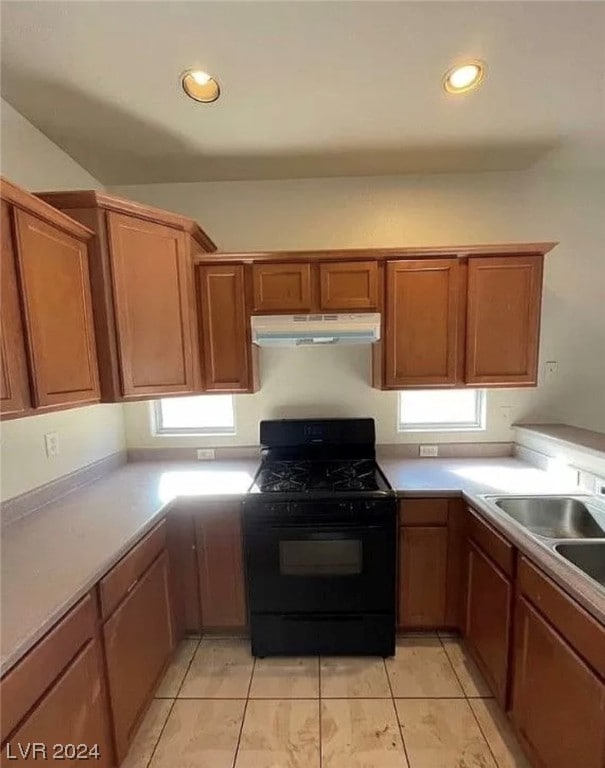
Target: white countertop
column 51, row 558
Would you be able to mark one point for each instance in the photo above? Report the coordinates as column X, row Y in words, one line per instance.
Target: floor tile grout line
column 453, row 668
column 174, row 700
column 468, row 703
column 405, row 749
column 247, row 700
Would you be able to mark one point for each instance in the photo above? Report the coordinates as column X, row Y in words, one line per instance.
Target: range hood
column 307, row 330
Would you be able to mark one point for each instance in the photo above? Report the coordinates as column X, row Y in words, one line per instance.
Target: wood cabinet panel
column 184, row 579
column 138, row 645
column 281, row 288
column 227, row 359
column 422, row 323
column 488, row 619
column 15, row 398
column 124, row 575
column 503, row 323
column 53, row 270
column 558, row 703
column 73, row 711
column 348, row 286
column 423, row 512
column 152, row 274
column 456, row 536
column 221, row 570
column 422, row 576
column 491, row 543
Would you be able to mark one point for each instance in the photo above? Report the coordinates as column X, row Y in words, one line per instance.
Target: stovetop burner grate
column 302, row 476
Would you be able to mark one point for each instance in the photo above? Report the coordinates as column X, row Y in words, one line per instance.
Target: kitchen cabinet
column 487, row 625
column 503, row 323
column 56, row 695
column 220, row 564
column 348, row 286
column 184, row 579
column 229, row 361
column 143, row 294
column 47, row 319
column 422, row 574
column 558, row 701
column 15, row 398
column 281, row 287
column 422, row 319
column 138, row 639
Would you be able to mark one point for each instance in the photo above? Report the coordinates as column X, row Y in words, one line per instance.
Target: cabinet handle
column 132, row 586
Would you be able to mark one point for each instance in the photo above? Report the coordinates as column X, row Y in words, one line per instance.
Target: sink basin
column 587, row 556
column 555, row 517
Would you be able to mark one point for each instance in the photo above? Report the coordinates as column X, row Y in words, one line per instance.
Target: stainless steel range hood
column 307, row 330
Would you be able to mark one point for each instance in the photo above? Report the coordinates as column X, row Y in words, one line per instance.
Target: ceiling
column 308, row 88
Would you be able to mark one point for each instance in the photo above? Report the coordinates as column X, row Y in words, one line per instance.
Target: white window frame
column 160, row 430
column 478, row 424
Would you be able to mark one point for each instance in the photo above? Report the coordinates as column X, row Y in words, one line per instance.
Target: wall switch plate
column 429, row 451
column 205, row 454
column 550, row 370
column 51, row 444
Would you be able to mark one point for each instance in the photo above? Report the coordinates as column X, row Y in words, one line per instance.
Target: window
column 201, row 415
column 437, row 410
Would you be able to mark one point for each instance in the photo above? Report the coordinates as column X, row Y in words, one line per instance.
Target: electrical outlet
column 205, row 454
column 51, row 443
column 429, row 451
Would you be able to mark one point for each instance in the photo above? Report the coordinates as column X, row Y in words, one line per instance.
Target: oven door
column 298, row 566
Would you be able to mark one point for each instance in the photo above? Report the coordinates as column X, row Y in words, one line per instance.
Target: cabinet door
column 558, row 703
column 488, row 619
column 53, row 268
column 72, row 712
column 422, row 320
column 348, row 286
column 138, row 645
column 226, row 353
column 14, row 382
column 422, row 576
column 281, row 287
column 221, row 571
column 152, row 274
column 503, row 324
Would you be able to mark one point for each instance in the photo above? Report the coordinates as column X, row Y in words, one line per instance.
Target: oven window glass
column 335, row 557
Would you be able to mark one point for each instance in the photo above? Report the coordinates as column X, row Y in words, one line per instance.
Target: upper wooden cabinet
column 503, row 325
column 143, row 294
column 15, row 398
column 422, row 323
column 281, row 287
column 348, row 286
column 228, row 360
column 47, row 312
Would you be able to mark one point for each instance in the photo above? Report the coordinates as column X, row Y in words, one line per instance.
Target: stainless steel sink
column 554, row 517
column 588, row 556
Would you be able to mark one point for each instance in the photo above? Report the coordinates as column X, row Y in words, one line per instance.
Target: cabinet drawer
column 490, row 541
column 348, row 285
column 423, row 512
column 577, row 626
column 123, row 577
column 33, row 675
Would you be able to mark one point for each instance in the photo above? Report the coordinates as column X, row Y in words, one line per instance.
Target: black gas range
column 319, row 535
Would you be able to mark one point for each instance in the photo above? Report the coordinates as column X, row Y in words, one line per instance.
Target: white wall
column 86, row 435
column 428, row 210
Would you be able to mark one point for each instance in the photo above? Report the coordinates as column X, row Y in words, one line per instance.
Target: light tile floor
column 427, row 707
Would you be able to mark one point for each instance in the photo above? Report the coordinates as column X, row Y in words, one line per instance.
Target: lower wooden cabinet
column 558, row 702
column 138, row 645
column 220, row 566
column 422, row 576
column 69, row 721
column 487, row 621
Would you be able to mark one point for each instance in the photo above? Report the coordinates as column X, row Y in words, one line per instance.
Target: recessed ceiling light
column 200, row 86
column 464, row 77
